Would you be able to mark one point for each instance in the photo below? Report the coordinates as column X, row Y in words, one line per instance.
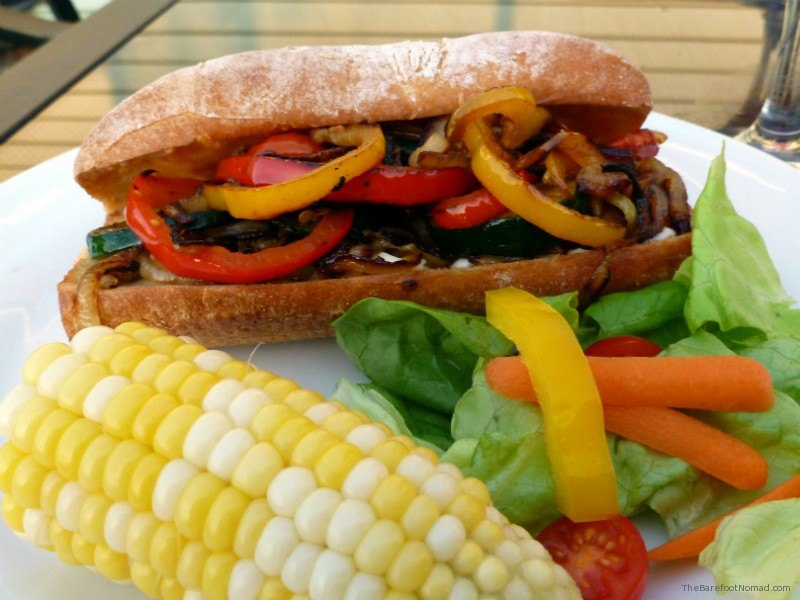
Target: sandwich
column 257, row 196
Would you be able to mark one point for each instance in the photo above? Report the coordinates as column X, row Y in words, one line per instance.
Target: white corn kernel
column 212, row 360
column 331, row 576
column 288, row 490
column 463, row 589
column 84, row 339
column 171, row 482
column 101, row 394
column 221, row 395
column 365, row 586
column 364, row 478
column 538, row 573
column 203, row 436
column 228, row 451
column 442, row 487
column 12, row 404
column 417, row 469
column 68, row 505
column 315, row 513
column 36, row 525
column 246, row 581
column 245, row 406
column 319, row 412
column 351, row 521
column 115, row 529
column 510, row 553
column 275, row 545
column 517, row 590
column 533, row 549
column 446, row 537
column 296, row 572
column 451, row 470
column 496, row 516
column 366, row 437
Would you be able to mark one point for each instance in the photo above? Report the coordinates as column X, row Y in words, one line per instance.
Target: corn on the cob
column 194, row 475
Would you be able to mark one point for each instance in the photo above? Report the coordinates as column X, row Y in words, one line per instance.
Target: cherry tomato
column 623, row 345
column 286, row 144
column 607, row 559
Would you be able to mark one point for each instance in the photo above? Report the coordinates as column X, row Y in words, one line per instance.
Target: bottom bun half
column 222, row 315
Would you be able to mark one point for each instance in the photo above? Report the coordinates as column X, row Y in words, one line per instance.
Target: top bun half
column 183, row 123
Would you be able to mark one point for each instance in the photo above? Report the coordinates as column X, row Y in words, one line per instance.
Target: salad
column 428, row 379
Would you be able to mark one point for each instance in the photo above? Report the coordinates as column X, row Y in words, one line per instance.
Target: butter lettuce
column 758, row 548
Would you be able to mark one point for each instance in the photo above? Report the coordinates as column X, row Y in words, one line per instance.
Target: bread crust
column 219, row 315
column 184, row 122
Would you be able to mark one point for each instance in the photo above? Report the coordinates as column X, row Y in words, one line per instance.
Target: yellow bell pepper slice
column 586, row 486
column 522, row 117
column 526, row 200
column 267, row 202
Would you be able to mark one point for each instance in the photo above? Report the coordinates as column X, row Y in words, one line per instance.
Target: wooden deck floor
column 700, row 56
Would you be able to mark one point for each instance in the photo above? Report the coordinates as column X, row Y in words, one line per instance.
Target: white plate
column 44, row 217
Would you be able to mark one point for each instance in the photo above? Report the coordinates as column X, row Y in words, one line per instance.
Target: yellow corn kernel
column 168, row 439
column 419, row 517
column 120, row 467
column 72, row 445
column 143, row 481
column 477, row 489
column 188, row 351
column 93, row 462
column 273, row 589
column 30, row 416
column 41, row 358
column 129, row 327
column 62, row 543
column 126, row 360
column 405, row 440
column 333, row 467
column 10, row 456
column 235, row 369
column 92, row 518
column 173, row 376
column 390, row 453
column 121, row 411
column 78, row 384
column 191, row 564
column 149, row 368
column 195, row 502
column 468, row 558
column 150, row 416
column 48, row 494
column 258, row 379
column 342, row 423
column 171, row 589
column 301, row 400
column 83, row 550
column 252, row 523
column 439, row 583
column 379, row 547
column 107, row 347
column 217, row 574
column 488, row 535
column 223, row 519
column 311, row 447
column 291, row 433
column 427, row 453
column 269, row 419
column 392, row 496
column 468, row 509
column 166, row 344
column 140, row 533
column 146, row 579
column 491, row 575
column 165, row 548
column 411, row 567
column 195, row 387
column 145, row 335
column 113, row 565
column 256, row 470
column 278, row 388
column 48, row 434
column 13, row 513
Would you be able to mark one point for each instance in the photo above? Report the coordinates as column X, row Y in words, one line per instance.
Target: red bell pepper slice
column 642, row 143
column 215, row 263
column 467, row 211
column 286, row 144
column 402, row 186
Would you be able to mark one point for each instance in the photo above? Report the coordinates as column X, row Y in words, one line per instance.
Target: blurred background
column 703, row 57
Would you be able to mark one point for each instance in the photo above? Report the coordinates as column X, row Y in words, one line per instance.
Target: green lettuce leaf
column 758, row 547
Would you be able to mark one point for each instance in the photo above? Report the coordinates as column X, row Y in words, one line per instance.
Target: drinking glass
column 777, row 128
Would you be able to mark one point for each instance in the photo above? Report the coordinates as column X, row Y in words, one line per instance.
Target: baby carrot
column 722, row 383
column 691, row 544
column 702, row 446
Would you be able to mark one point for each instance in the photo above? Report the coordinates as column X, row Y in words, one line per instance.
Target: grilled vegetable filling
column 497, row 181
